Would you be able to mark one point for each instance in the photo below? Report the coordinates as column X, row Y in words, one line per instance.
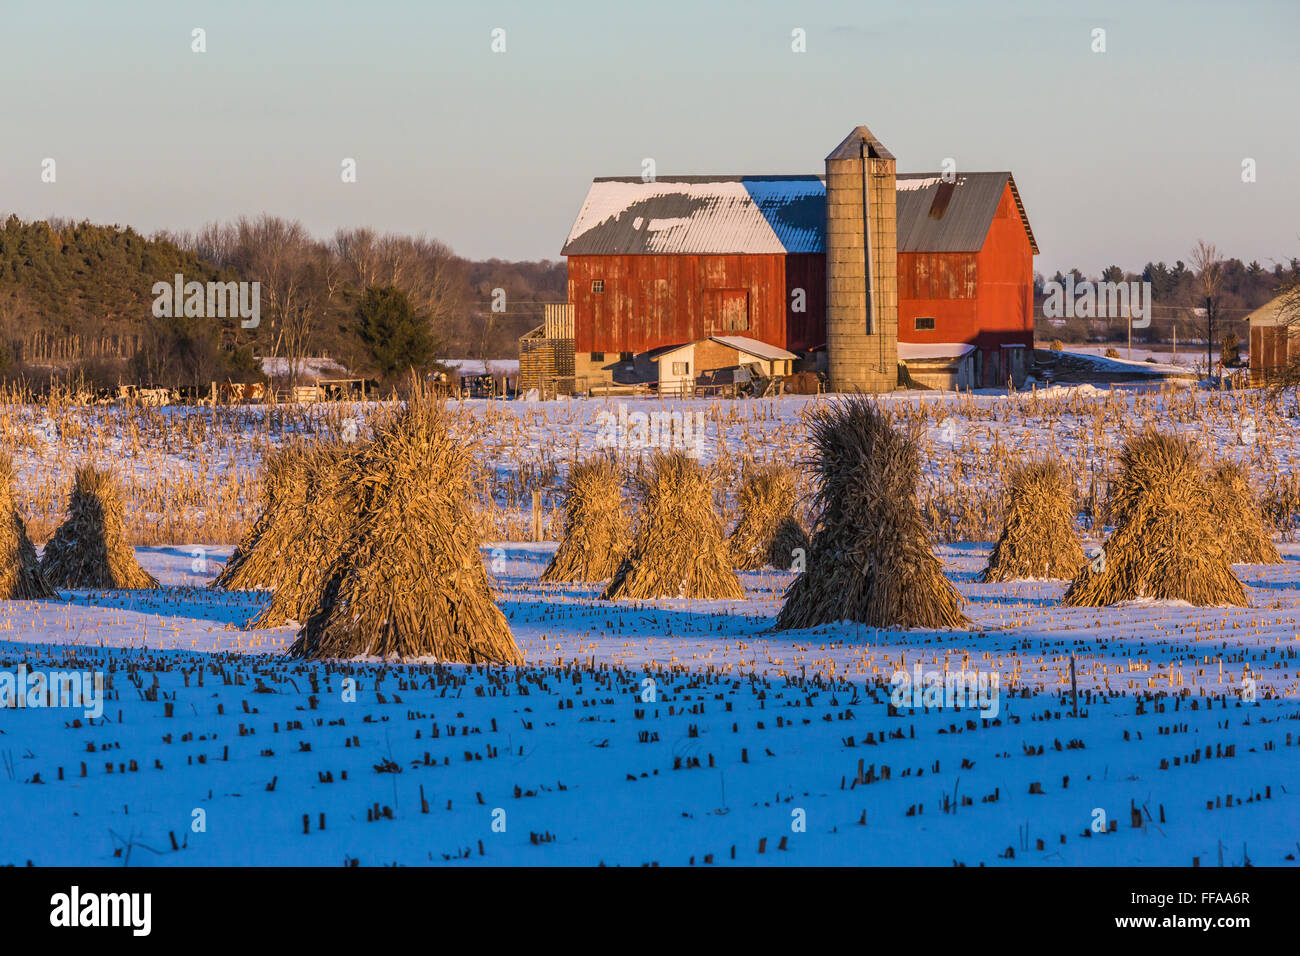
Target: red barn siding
column 983, row 298
column 941, row 286
column 1006, row 280
column 651, row 301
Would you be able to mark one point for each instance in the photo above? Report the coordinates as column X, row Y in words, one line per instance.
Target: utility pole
column 1209, row 338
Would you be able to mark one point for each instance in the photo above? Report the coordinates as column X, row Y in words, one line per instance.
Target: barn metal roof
column 700, row 214
column 935, row 216
column 714, row 215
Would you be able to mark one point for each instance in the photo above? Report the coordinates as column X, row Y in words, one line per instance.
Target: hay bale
column 768, row 533
column 1038, row 538
column 89, row 550
column 411, row 581
column 283, row 481
column 20, row 572
column 1248, row 537
column 595, row 536
column 315, row 524
column 870, row 558
column 679, row 550
column 1167, row 544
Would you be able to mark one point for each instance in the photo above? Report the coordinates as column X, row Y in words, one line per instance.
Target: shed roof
column 715, row 215
column 1273, row 312
column 741, row 343
column 763, row 350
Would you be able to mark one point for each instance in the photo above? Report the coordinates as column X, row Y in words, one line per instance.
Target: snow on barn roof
column 931, row 351
column 700, row 214
column 742, row 343
column 715, row 215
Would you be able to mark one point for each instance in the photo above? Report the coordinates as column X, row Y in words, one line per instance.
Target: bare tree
column 1209, row 284
column 293, row 271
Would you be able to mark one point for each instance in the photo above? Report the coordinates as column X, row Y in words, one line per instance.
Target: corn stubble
column 768, row 533
column 679, row 550
column 1167, row 544
column 20, row 571
column 410, row 581
column 870, row 558
column 1038, row 537
column 90, row 549
column 595, row 536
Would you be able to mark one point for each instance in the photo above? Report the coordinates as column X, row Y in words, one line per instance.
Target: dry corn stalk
column 90, row 550
column 315, row 527
column 1038, row 537
column 596, row 535
column 1239, row 516
column 870, row 558
column 411, row 581
column 768, row 533
column 1167, row 544
column 678, row 550
column 20, row 572
column 283, row 480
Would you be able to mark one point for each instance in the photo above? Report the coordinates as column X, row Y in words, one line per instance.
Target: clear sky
column 1123, row 156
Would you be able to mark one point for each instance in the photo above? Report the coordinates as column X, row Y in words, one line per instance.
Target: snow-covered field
column 670, row 733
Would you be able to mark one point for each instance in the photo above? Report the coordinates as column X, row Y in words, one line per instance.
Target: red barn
column 966, row 270
column 660, row 264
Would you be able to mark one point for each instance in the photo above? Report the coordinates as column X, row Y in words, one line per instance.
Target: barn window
column 923, row 323
column 681, row 368
column 625, row 356
column 598, row 356
column 597, row 285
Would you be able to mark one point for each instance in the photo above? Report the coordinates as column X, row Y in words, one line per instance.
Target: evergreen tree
column 395, row 333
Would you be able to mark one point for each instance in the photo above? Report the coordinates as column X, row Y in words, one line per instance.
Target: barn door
column 725, row 310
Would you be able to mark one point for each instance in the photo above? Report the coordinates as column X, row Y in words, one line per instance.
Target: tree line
column 1203, row 300
column 77, row 298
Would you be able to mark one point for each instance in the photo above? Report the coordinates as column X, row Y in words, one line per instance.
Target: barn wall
column 941, row 285
column 807, row 329
column 1005, row 312
column 1269, row 345
column 652, row 301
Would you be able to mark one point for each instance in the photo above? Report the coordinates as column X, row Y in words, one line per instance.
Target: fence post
column 537, row 516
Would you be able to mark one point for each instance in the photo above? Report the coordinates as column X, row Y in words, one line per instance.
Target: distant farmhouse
column 1274, row 339
column 670, row 278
